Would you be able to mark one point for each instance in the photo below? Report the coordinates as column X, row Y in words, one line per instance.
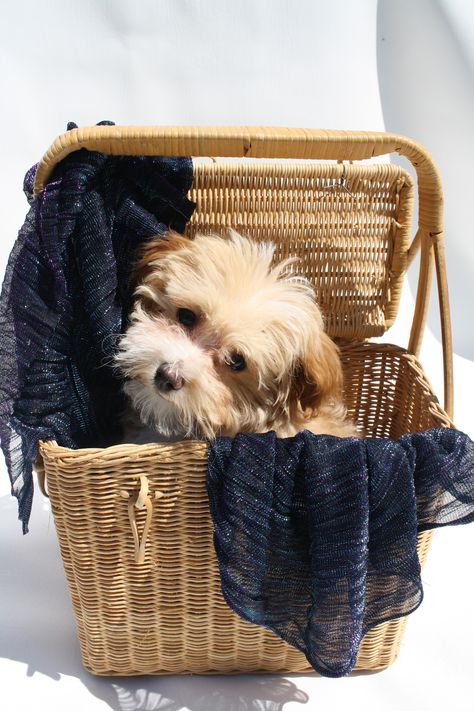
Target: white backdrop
column 399, row 65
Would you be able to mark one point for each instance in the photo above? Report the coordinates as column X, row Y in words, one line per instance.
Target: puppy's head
column 220, row 341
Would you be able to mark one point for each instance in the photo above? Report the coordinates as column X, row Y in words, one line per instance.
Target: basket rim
column 52, row 448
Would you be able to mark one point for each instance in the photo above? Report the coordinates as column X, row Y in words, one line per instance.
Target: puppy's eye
column 236, row 361
column 187, row 317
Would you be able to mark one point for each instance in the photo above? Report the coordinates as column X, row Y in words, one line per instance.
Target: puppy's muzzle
column 167, row 377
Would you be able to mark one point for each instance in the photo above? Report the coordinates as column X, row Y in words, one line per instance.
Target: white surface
column 405, row 66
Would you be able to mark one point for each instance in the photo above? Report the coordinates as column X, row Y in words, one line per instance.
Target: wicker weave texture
column 348, row 225
column 294, row 143
column 168, row 615
column 255, row 142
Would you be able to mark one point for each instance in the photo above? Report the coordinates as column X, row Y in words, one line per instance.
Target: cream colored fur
column 292, row 378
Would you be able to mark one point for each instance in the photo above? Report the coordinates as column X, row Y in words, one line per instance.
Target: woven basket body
column 350, row 226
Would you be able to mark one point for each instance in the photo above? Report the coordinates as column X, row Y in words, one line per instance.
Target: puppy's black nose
column 167, row 378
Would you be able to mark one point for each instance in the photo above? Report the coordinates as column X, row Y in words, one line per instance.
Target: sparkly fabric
column 65, row 297
column 315, row 536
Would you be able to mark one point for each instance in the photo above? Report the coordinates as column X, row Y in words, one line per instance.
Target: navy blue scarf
column 315, row 536
column 66, row 295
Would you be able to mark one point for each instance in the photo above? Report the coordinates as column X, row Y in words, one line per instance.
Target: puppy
column 221, row 342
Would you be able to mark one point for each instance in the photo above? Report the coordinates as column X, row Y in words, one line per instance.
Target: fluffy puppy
column 221, row 342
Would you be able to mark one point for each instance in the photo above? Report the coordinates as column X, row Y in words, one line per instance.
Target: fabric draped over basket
column 65, row 297
column 316, row 536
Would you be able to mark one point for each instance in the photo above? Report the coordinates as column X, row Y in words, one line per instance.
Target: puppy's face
column 220, row 342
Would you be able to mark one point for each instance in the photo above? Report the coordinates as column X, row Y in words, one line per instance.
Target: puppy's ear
column 317, row 380
column 155, row 250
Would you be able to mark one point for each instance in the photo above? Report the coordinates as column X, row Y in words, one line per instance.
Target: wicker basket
column 133, row 521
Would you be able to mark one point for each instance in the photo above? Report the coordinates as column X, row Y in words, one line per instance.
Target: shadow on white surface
column 215, row 693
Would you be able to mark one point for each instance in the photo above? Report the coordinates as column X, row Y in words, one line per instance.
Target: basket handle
column 295, row 143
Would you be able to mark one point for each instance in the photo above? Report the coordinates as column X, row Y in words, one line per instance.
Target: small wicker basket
column 133, row 521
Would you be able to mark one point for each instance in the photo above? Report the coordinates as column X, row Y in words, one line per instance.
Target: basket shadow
column 38, row 630
column 207, row 693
